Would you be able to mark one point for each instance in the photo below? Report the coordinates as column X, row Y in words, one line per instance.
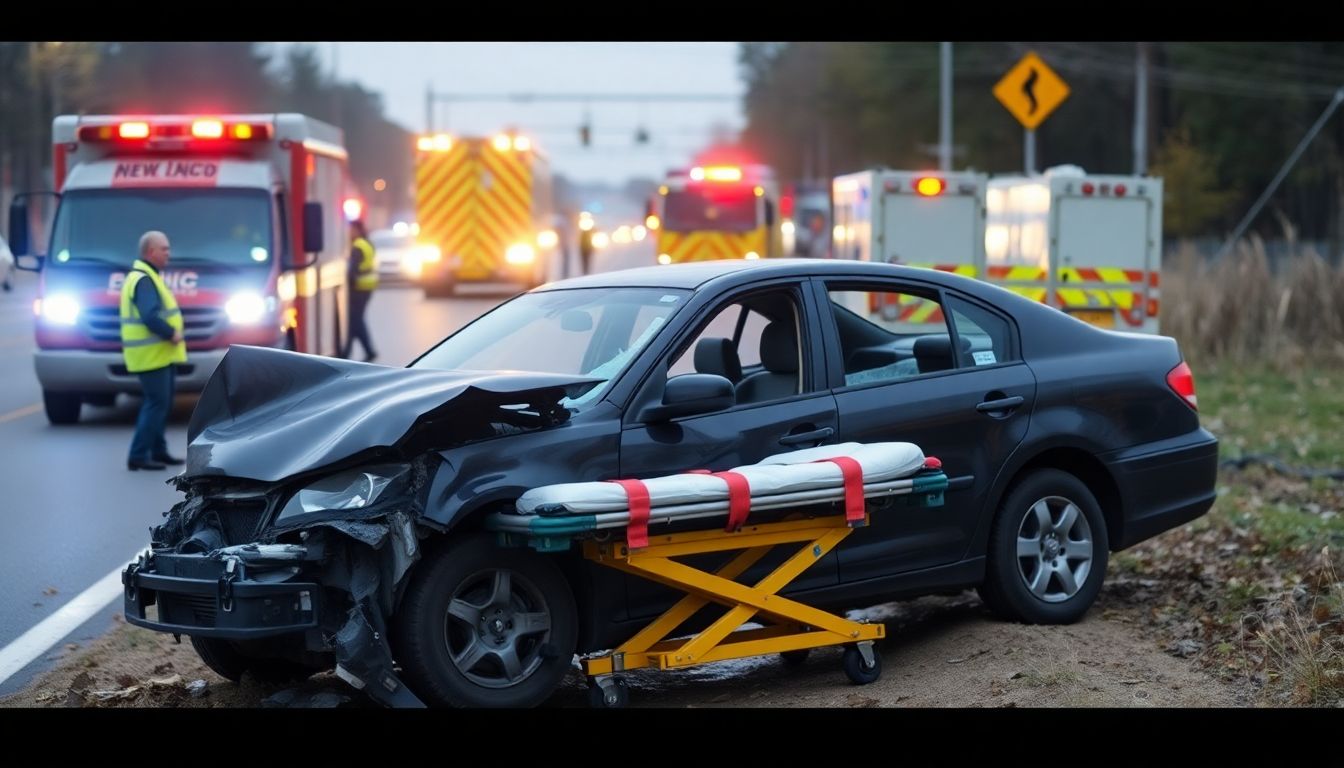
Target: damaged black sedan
column 332, row 512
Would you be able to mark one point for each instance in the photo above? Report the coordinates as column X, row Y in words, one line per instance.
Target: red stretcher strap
column 637, row 530
column 739, row 499
column 852, row 472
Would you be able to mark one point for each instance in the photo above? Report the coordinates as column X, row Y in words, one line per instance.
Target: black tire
column 858, row 672
column 224, row 657
column 795, row 658
column 61, row 407
column 1009, row 578
column 468, row 573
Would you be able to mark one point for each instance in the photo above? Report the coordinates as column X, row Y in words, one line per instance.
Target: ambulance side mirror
column 313, row 240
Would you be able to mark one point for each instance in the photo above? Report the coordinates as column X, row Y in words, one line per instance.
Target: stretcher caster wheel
column 795, row 658
column 609, row 694
column 859, row 670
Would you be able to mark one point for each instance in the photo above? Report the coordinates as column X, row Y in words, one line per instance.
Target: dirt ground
column 939, row 652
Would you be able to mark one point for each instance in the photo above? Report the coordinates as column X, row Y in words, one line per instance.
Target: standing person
column 362, row 279
column 151, row 342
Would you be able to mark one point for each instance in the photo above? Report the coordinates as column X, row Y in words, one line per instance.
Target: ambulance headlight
column 60, row 310
column 245, row 308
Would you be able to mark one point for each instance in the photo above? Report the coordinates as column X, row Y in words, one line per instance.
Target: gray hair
column 148, row 238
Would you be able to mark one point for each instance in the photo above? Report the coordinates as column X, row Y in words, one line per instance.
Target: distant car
column 333, row 509
column 6, row 265
column 394, row 253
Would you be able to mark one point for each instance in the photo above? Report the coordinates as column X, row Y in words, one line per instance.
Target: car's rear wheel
column 1048, row 551
column 485, row 626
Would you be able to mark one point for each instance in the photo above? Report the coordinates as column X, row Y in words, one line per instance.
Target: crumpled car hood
column 268, row 414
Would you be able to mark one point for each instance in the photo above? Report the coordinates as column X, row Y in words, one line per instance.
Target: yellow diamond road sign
column 1031, row 91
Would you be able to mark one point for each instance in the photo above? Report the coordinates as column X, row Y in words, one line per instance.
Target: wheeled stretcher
column 813, row 498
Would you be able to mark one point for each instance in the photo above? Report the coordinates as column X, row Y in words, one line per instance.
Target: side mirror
column 769, row 214
column 691, row 394
column 20, row 236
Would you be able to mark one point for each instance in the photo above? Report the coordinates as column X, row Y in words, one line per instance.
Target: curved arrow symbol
column 1028, row 87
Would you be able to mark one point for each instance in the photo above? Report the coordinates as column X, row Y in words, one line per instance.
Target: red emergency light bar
column 200, row 129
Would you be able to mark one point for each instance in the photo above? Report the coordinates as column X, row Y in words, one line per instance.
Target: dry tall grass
column 1239, row 310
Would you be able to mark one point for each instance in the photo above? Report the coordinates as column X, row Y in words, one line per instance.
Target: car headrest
column 934, row 353
column 779, row 348
column 718, row 356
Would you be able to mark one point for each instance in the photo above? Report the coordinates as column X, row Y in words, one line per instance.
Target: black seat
column 779, row 358
column 718, row 356
column 934, row 353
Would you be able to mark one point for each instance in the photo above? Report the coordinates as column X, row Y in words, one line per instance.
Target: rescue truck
column 1086, row 244
column 252, row 206
column 718, row 211
column 485, row 208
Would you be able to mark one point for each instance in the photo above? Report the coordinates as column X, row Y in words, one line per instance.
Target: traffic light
column 585, row 134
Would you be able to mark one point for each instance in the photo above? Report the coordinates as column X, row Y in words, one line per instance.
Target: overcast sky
column 402, row 71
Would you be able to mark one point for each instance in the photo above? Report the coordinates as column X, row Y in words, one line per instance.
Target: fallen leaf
column 125, row 681
column 855, row 700
column 49, row 591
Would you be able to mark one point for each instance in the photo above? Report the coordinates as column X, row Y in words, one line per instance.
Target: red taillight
column 1182, row 382
column 1119, row 190
column 1087, row 188
column 930, row 186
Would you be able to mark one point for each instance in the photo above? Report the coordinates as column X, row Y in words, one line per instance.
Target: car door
column 766, row 423
column 915, row 364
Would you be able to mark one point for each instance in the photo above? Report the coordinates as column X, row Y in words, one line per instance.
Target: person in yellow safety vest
column 151, row 342
column 363, row 279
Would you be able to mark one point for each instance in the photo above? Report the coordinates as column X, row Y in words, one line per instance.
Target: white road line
column 51, row 630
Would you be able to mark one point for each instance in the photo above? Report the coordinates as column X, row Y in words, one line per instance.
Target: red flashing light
column 786, row 206
column 1119, row 190
column 137, row 130
column 1088, row 188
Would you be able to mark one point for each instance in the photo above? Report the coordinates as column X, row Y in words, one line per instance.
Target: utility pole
column 945, row 108
column 1141, row 110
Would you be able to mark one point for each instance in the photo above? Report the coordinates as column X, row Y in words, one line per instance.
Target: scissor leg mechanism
column 792, row 626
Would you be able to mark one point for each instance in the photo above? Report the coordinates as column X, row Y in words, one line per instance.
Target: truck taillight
column 930, row 186
column 207, row 129
column 1182, row 382
column 133, row 130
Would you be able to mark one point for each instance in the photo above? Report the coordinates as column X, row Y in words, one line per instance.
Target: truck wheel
column 486, row 626
column 1047, row 551
column 62, row 407
column 229, row 663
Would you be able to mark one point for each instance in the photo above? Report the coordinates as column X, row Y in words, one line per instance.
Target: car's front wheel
column 1047, row 551
column 485, row 626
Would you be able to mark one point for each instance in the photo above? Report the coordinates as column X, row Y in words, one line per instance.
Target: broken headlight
column 348, row 490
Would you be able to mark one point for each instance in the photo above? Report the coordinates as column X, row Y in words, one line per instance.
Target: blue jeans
column 149, row 442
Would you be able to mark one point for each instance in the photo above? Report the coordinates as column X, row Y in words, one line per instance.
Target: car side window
column 754, row 343
column 986, row 337
column 887, row 334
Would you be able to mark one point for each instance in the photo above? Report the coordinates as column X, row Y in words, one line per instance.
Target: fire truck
column 485, row 207
column 1086, row 244
column 718, row 211
column 252, row 206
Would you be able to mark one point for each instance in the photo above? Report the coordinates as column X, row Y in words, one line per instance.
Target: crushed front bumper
column 241, row 595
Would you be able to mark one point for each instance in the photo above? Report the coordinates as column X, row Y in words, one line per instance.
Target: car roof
column 697, row 274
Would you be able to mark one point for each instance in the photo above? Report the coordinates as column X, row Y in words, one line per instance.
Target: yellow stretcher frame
column 796, row 626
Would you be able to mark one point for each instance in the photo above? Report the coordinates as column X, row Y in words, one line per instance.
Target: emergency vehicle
column 718, row 211
column 485, row 208
column 1088, row 244
column 252, row 207
column 1085, row 244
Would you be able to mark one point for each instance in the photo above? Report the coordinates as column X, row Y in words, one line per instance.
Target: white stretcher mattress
column 783, row 473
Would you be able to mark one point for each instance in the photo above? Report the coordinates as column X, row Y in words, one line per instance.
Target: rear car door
column 909, row 362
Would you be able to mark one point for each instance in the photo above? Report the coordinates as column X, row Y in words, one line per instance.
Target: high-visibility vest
column 366, row 279
column 142, row 349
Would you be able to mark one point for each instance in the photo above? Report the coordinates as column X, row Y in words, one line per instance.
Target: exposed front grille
column 239, row 521
column 187, row 610
column 104, row 323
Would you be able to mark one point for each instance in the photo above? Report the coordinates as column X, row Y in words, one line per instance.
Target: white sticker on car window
column 984, row 358
column 669, row 299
